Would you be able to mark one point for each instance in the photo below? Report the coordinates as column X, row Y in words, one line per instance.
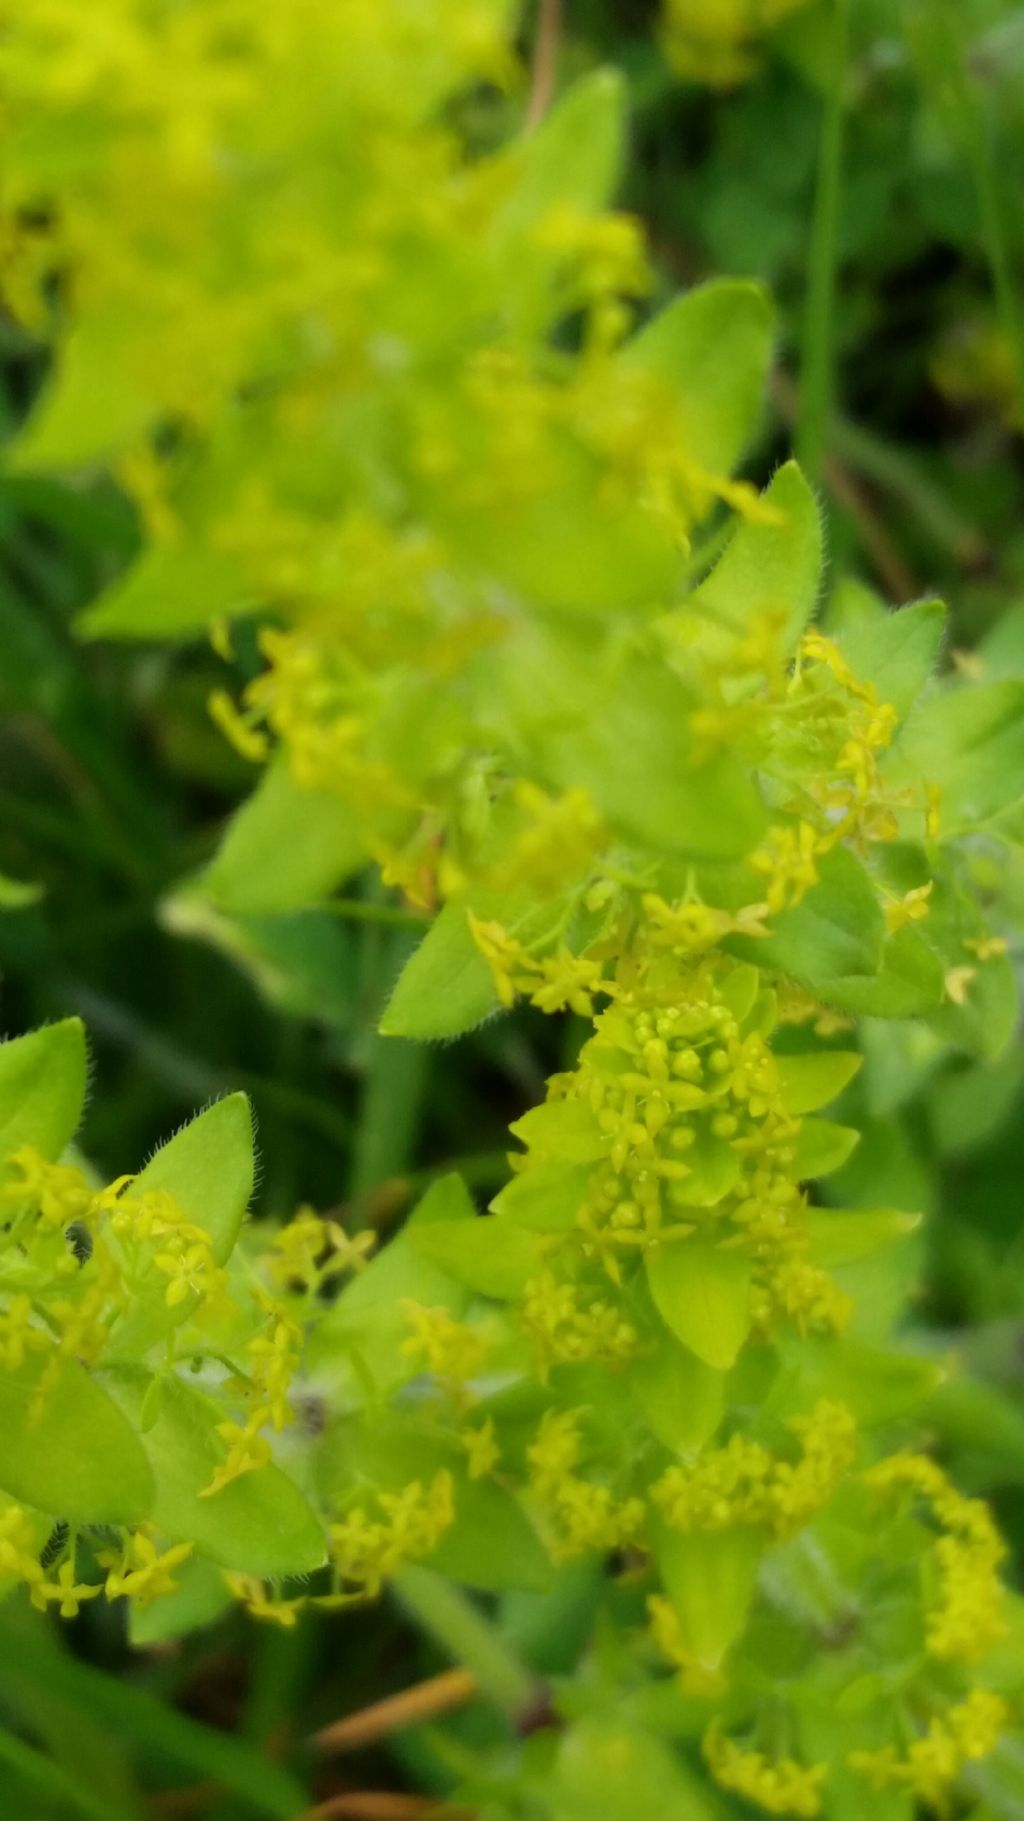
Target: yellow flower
column 65, row 1592
column 744, row 1485
column 931, row 1764
column 964, row 1616
column 388, row 1529
column 506, row 957
column 20, row 1333
column 986, row 948
column 18, row 1546
column 958, row 980
column 788, row 858
column 483, row 1453
column 583, row 1516
column 444, row 1346
column 909, row 909
column 563, row 1328
column 58, row 1191
column 781, row 1786
column 143, row 1573
column 261, row 1603
column 310, row 1250
column 248, row 1451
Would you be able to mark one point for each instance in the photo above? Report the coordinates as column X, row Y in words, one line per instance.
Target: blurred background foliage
column 868, row 149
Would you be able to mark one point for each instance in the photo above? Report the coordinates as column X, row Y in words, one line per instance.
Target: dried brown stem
column 383, row 1805
column 545, row 61
column 439, row 1695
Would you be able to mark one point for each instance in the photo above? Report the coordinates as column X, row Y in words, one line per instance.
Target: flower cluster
column 744, row 1484
column 138, row 1570
column 779, row 1786
column 675, row 1126
column 930, row 1765
column 74, row 1257
column 717, row 41
column 964, row 1592
column 457, row 483
column 584, row 1516
column 383, row 1532
column 563, row 1327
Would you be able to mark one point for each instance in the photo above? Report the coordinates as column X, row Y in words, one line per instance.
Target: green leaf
column 446, row 987
column 562, row 1129
column 623, row 735
column 822, row 1147
column 878, row 1384
column 824, row 1738
column 200, row 1598
column 703, row 1294
column 896, row 652
column 608, row 1768
column 258, row 1524
column 493, row 1257
column 94, row 401
column 837, row 930
column 714, row 1170
column 909, row 983
column 545, row 1197
column 208, row 1167
column 813, row 1080
column 359, row 1341
column 1002, row 649
column 709, row 1576
column 985, row 1023
column 491, row 1545
column 984, row 1424
column 173, row 591
column 71, row 1453
column 573, row 158
column 42, row 1088
column 713, row 346
column 969, row 742
column 680, row 1398
column 284, row 849
column 768, row 569
column 969, row 1107
column 838, row 1237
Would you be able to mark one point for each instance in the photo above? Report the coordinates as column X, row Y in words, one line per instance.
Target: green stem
column 817, row 376
column 395, row 1072
column 453, row 1621
column 978, row 150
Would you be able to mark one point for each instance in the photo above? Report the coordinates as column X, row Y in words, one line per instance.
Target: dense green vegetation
column 510, row 617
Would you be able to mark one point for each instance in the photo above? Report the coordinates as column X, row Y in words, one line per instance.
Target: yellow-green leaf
column 812, row 1081
column 703, row 1294
column 709, row 1577
column 69, row 1450
column 259, row 1523
column 42, row 1088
